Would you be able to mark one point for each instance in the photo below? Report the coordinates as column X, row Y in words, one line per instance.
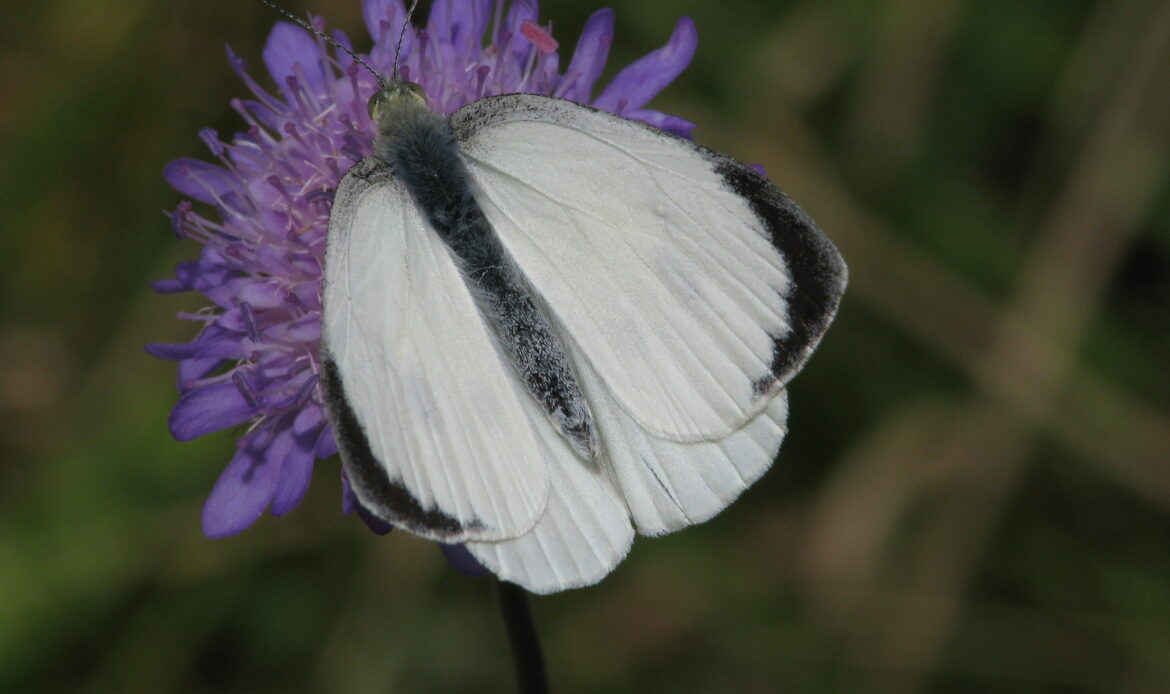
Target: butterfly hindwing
column 585, row 530
column 668, row 485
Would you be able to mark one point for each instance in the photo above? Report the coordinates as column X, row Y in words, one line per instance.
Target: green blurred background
column 975, row 494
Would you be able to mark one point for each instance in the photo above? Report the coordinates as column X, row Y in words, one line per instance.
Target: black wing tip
column 819, row 273
column 382, row 496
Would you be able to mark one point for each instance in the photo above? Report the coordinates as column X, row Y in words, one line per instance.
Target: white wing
column 669, row 485
column 691, row 285
column 687, row 291
column 687, row 287
column 435, row 431
column 584, row 533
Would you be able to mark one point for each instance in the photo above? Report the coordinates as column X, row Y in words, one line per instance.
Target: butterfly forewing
column 433, row 427
column 659, row 268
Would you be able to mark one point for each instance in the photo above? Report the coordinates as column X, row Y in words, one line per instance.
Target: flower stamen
column 540, row 38
column 246, row 392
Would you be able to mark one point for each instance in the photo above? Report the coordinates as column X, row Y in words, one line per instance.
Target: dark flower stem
column 526, row 654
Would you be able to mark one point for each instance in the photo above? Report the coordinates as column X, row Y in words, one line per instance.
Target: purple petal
column 663, row 121
column 210, row 270
column 246, row 486
column 216, row 334
column 307, row 329
column 169, row 286
column 518, row 13
column 273, row 371
column 172, row 350
column 288, row 45
column 461, row 559
column 234, row 320
column 199, row 180
column 377, row 12
column 263, row 294
column 343, row 59
column 374, row 523
column 191, row 370
column 590, row 56
column 307, row 296
column 443, row 23
column 350, row 503
column 645, row 77
column 309, row 421
column 326, row 444
column 229, row 347
column 211, row 138
column 226, row 292
column 295, row 475
column 208, row 409
column 384, row 20
column 261, row 112
column 459, row 24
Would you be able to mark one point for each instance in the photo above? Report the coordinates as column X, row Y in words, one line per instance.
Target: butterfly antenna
column 401, row 34
column 377, row 75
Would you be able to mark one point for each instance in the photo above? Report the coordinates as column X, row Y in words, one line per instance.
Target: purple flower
column 254, row 363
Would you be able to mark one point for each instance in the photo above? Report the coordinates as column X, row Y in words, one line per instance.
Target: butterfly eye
column 415, row 90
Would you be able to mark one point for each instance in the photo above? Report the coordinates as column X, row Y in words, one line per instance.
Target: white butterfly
column 546, row 327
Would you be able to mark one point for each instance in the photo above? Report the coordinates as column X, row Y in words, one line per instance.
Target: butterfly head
column 395, row 96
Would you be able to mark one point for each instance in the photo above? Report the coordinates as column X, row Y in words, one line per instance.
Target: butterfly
column 547, row 328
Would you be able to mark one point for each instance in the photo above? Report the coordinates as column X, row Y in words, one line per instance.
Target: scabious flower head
column 254, row 363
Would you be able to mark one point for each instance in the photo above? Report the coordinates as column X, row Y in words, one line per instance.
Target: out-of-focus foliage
column 975, row 494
